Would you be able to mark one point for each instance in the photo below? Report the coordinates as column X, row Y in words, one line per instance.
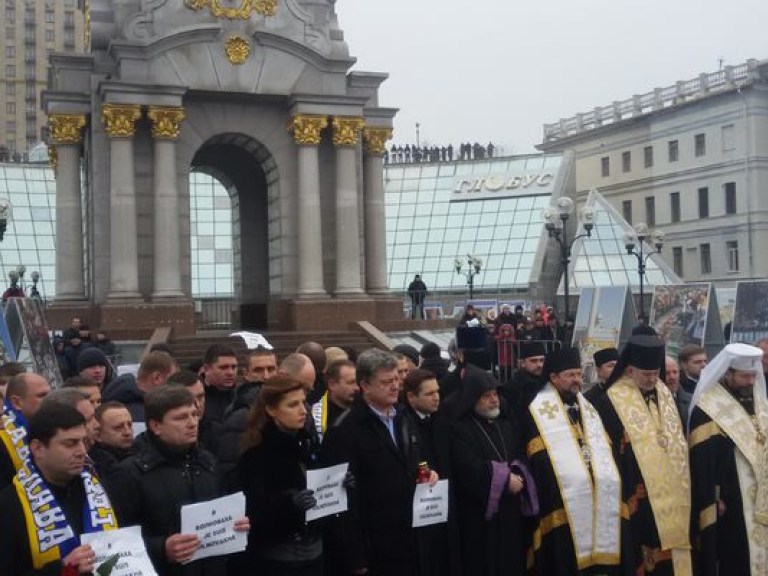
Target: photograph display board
column 29, row 333
column 687, row 314
column 750, row 319
column 604, row 319
column 7, row 351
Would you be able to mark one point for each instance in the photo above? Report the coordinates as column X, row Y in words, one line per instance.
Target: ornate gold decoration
column 166, row 121
column 87, row 27
column 66, row 128
column 376, row 139
column 238, row 49
column 306, row 128
column 242, row 12
column 120, row 119
column 346, row 130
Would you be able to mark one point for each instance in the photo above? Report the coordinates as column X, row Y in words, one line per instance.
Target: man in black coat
column 114, row 438
column 219, row 377
column 417, row 292
column 375, row 535
column 169, row 470
column 527, row 379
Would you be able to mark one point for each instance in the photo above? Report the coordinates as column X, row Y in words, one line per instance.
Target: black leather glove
column 349, row 481
column 303, row 500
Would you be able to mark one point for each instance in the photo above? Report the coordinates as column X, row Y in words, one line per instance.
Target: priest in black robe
column 492, row 486
column 579, row 527
column 527, row 379
column 649, row 446
column 729, row 428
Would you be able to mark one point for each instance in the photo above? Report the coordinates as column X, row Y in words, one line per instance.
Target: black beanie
column 91, row 357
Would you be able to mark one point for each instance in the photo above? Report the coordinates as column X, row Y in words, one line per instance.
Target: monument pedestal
column 338, row 313
column 127, row 321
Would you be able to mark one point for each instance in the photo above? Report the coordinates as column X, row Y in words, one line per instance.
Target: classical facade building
column 260, row 96
column 31, row 31
column 691, row 160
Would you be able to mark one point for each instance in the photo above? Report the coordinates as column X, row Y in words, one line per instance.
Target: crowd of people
column 659, row 468
column 414, row 154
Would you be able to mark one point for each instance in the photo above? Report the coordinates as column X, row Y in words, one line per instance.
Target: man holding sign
column 169, row 470
column 53, row 500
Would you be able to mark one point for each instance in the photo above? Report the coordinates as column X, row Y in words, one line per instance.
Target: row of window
column 31, row 89
column 30, row 16
column 729, row 191
column 705, row 258
column 673, row 151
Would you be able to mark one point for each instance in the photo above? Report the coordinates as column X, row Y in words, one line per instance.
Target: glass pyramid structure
column 602, row 260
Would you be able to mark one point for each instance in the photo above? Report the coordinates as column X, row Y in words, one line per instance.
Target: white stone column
column 306, row 132
column 166, row 124
column 346, row 132
column 120, row 122
column 375, row 213
column 66, row 136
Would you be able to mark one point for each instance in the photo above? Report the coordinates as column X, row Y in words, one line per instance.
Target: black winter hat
column 91, row 357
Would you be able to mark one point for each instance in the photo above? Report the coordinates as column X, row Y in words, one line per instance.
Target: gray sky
column 497, row 70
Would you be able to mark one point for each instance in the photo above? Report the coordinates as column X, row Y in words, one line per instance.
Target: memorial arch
column 260, row 96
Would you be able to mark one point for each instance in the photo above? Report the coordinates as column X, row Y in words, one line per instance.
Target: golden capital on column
column 306, row 128
column 66, row 128
column 53, row 156
column 346, row 130
column 376, row 139
column 166, row 121
column 120, row 119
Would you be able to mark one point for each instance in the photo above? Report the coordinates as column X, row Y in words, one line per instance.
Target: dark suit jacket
column 683, row 401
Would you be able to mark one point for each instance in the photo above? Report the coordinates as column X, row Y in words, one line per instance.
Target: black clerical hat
column 605, row 355
column 644, row 352
column 560, row 360
column 530, row 349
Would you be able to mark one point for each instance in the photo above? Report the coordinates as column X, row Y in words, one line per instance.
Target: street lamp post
column 635, row 245
column 555, row 221
column 474, row 265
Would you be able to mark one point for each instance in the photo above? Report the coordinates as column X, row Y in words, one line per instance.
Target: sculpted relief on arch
column 242, row 12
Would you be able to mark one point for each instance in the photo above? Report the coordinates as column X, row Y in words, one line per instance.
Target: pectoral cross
column 549, row 410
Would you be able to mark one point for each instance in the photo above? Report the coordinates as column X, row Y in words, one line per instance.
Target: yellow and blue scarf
column 51, row 537
column 14, row 434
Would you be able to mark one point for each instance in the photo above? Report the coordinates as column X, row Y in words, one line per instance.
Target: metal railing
column 508, row 353
column 682, row 91
column 216, row 313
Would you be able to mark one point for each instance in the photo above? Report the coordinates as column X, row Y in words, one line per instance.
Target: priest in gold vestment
column 729, row 429
column 649, row 446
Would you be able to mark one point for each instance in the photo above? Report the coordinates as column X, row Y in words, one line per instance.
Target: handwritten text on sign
column 430, row 505
column 127, row 544
column 330, row 493
column 214, row 523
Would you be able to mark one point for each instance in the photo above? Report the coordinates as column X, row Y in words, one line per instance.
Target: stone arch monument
column 257, row 93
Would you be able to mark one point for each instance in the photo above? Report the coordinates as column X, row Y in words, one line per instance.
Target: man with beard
column 578, row 530
column 488, row 477
column 527, row 380
column 649, row 446
column 605, row 360
column 729, row 428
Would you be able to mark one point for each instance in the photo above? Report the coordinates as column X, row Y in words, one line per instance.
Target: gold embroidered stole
column 662, row 455
column 593, row 511
column 751, row 465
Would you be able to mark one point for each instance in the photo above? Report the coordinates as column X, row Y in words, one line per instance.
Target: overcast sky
column 497, row 70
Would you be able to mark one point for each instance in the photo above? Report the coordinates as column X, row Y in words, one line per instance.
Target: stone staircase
column 188, row 349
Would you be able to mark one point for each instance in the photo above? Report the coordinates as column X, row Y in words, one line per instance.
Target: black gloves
column 303, row 500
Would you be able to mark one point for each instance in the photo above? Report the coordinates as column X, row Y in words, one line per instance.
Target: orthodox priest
column 641, row 419
column 578, row 531
column 492, row 486
column 729, row 427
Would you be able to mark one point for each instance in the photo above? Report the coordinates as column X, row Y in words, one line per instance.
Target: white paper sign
column 128, row 544
column 214, row 523
column 331, row 496
column 430, row 505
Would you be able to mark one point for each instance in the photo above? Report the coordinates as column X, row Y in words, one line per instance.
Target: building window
column 31, row 91
column 730, row 197
column 50, row 35
column 703, row 202
column 677, row 260
column 10, row 71
column 648, row 156
column 10, row 52
column 69, row 18
column 605, row 166
column 626, row 210
column 10, row 89
column 31, row 70
column 10, row 15
column 732, row 248
column 626, row 161
column 674, row 206
column 706, row 259
column 650, row 210
column 10, row 33
column 10, row 126
column 69, row 37
column 700, row 141
column 674, row 152
column 728, row 138
column 50, row 16
column 10, row 108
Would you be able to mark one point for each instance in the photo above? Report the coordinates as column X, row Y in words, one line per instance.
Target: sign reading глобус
column 331, row 496
column 127, row 544
column 214, row 524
